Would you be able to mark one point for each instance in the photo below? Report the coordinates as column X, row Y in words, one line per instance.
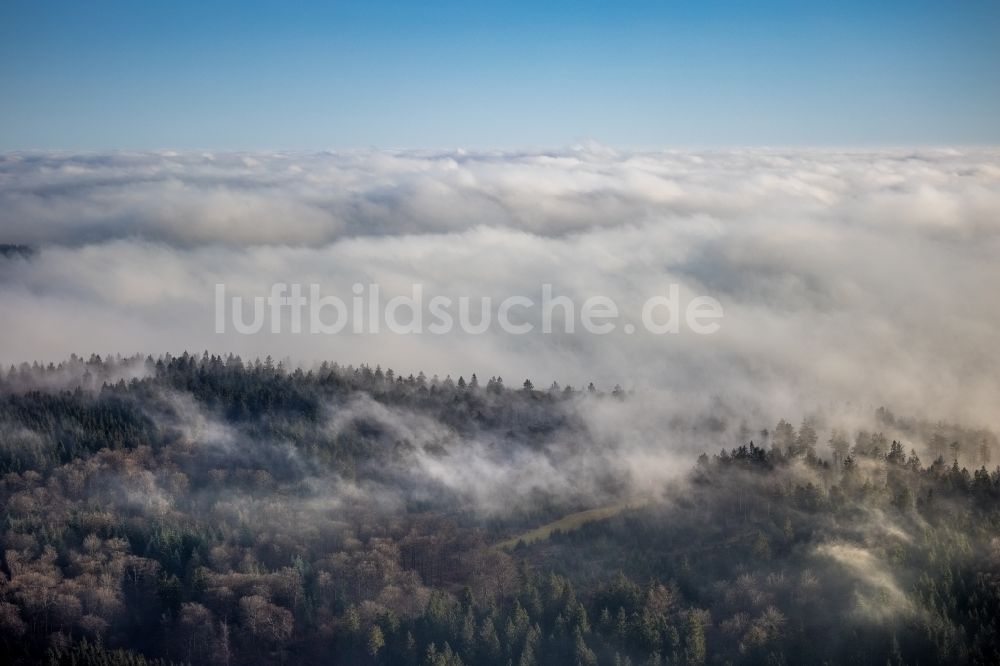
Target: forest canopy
column 210, row 510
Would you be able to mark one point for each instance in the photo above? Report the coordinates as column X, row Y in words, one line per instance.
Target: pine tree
column 376, row 641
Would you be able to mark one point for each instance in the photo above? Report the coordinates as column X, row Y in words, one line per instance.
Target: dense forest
column 207, row 510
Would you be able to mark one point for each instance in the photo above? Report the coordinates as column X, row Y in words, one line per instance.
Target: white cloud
column 846, row 276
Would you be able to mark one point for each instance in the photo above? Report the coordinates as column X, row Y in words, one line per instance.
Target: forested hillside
column 206, row 510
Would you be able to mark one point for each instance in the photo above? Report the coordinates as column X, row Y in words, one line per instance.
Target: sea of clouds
column 851, row 278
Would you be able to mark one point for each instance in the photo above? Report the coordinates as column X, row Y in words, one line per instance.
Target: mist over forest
column 206, row 509
column 815, row 482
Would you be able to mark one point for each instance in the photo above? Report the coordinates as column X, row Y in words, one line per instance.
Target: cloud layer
column 847, row 277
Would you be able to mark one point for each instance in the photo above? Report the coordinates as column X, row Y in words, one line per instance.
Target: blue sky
column 304, row 75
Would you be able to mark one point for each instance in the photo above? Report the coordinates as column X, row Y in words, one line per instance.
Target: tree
column 11, row 624
column 784, row 437
column 840, row 446
column 197, row 626
column 582, row 653
column 694, row 638
column 762, row 547
column 805, row 442
column 265, row 620
column 489, row 642
column 376, row 641
column 903, row 499
column 896, row 455
column 352, row 620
